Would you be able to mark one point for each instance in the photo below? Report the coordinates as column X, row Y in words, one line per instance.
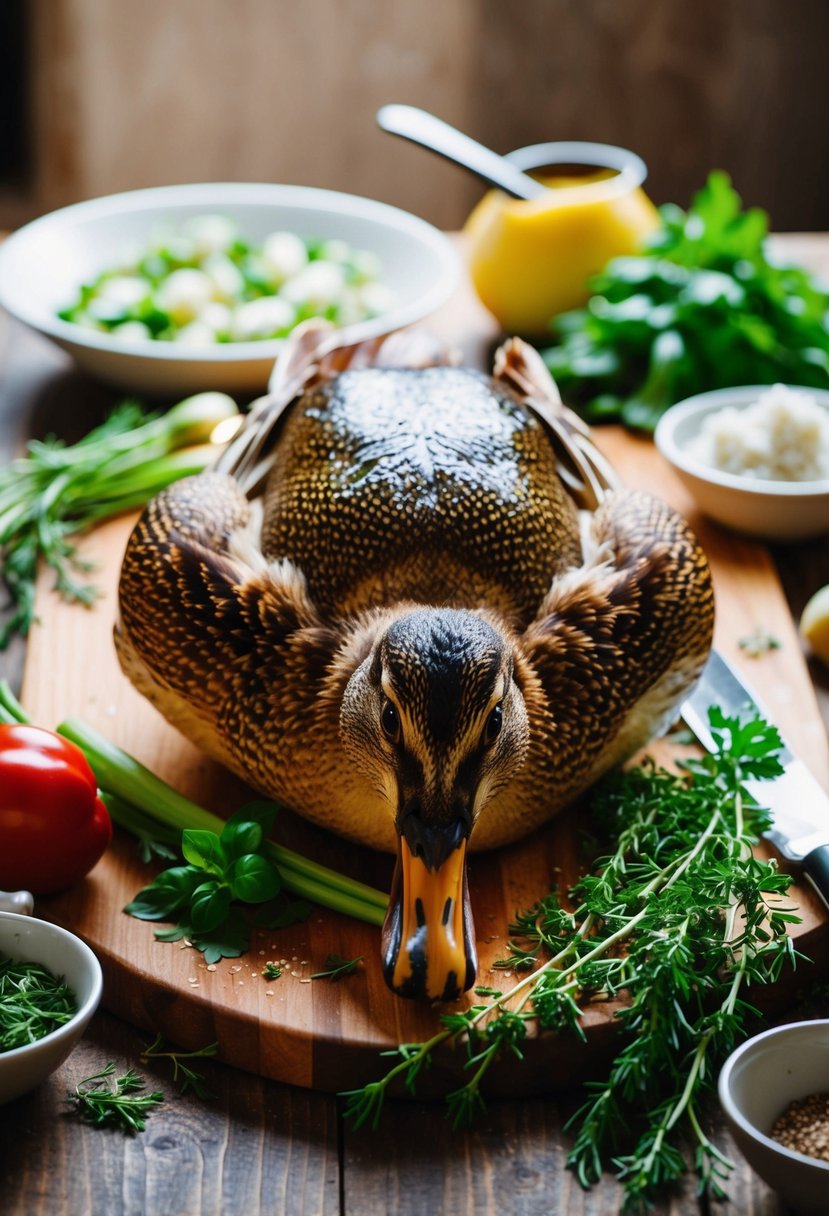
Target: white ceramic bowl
column 43, row 264
column 38, row 941
column 756, row 1084
column 771, row 510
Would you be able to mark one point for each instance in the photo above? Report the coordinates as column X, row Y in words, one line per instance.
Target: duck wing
column 217, row 638
column 615, row 647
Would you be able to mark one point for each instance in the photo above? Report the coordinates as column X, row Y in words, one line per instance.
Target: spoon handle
column 424, row 128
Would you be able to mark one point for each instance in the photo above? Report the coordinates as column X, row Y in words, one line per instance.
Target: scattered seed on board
column 803, row 1126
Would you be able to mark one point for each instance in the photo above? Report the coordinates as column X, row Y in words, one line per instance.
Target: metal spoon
column 424, row 128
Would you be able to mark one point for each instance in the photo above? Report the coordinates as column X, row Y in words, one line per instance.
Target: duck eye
column 390, row 721
column 493, row 724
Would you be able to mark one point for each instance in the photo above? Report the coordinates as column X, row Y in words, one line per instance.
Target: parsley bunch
column 678, row 915
column 706, row 306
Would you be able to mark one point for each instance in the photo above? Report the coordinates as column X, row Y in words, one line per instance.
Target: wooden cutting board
column 329, row 1035
column 318, row 1033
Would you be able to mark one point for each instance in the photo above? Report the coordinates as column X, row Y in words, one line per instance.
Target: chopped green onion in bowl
column 203, row 283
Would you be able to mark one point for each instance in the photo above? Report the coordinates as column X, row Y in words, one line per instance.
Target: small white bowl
column 756, row 1084
column 771, row 510
column 26, row 939
column 44, row 263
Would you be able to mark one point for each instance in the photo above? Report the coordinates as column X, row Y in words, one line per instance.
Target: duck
column 412, row 602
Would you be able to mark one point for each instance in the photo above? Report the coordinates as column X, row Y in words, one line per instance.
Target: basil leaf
column 209, row 906
column 254, row 879
column 204, row 849
column 243, row 836
column 165, row 895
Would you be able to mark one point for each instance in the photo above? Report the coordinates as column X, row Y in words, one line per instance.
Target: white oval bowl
column 770, row 510
column 44, row 263
column 756, row 1084
column 27, row 939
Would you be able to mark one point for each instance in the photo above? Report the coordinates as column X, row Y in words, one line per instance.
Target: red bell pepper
column 53, row 825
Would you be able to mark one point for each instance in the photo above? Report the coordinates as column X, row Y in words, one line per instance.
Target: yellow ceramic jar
column 530, row 261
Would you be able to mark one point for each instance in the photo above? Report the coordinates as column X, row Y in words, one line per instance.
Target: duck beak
column 428, row 935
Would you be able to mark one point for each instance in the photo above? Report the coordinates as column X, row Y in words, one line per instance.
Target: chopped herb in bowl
column 33, row 1003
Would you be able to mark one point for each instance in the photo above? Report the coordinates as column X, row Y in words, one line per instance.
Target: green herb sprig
column 123, row 1105
column 33, row 1003
column 706, row 306
column 336, row 967
column 57, row 491
column 189, row 1077
column 678, row 915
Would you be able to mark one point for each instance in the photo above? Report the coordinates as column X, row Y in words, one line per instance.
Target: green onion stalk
column 56, row 491
column 146, row 806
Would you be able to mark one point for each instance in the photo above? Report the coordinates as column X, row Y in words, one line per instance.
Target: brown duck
column 413, row 636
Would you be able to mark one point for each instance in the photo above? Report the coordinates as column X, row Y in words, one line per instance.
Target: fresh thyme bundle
column 679, row 918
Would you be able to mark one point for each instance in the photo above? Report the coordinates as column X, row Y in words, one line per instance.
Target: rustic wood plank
column 252, row 1150
column 513, row 1159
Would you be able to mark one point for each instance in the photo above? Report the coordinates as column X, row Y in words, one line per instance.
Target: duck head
column 436, row 721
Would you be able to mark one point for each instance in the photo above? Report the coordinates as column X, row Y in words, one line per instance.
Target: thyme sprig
column 337, row 967
column 678, row 917
column 124, row 1104
column 188, row 1076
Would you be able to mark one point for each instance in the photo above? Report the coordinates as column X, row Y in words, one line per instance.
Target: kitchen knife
column 798, row 804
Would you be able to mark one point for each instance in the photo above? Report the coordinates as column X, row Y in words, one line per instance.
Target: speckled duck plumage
column 414, row 546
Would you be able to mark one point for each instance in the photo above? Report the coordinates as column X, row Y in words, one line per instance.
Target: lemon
column 814, row 623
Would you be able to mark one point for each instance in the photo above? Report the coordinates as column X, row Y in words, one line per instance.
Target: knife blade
column 798, row 804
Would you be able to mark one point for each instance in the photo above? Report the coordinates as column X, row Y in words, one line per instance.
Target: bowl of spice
column 774, row 1090
column 755, row 458
column 50, row 986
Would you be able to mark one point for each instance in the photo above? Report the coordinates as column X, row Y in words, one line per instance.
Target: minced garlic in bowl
column 782, row 436
column 754, row 458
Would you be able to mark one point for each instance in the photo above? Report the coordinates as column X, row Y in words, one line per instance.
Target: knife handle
column 816, row 868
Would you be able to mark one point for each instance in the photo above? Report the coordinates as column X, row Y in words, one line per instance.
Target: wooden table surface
column 258, row 1146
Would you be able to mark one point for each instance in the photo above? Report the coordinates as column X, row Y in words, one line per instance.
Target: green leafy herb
column 124, row 1105
column 189, row 1077
column 678, row 915
column 271, row 971
column 33, row 1003
column 706, row 306
column 146, row 806
column 56, row 491
column 337, row 968
column 224, row 869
